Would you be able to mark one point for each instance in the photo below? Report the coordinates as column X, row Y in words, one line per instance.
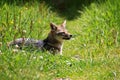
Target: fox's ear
column 53, row 26
column 64, row 24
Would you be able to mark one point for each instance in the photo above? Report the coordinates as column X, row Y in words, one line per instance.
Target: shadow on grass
column 68, row 9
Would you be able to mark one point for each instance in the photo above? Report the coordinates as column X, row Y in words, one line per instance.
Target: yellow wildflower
column 11, row 22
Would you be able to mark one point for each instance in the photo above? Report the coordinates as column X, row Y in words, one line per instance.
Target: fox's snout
column 67, row 36
column 64, row 35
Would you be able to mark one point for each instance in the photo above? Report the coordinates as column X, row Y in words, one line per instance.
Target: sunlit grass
column 93, row 53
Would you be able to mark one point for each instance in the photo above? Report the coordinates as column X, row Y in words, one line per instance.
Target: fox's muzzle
column 67, row 37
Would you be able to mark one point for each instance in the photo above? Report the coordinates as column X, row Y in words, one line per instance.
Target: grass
column 93, row 54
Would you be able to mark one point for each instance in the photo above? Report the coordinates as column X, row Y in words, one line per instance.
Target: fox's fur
column 53, row 43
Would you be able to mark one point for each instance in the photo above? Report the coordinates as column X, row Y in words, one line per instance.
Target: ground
column 92, row 54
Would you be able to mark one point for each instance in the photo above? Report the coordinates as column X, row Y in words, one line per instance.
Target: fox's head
column 59, row 32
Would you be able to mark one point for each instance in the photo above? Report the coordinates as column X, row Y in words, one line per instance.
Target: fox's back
column 27, row 42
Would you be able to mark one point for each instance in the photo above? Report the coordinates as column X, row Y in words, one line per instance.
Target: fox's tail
column 25, row 42
column 16, row 42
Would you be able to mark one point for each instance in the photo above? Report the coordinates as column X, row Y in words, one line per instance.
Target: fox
column 53, row 43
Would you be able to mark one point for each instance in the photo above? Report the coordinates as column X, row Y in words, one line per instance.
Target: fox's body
column 53, row 43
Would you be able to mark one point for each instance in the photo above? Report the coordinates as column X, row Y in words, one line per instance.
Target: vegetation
column 93, row 53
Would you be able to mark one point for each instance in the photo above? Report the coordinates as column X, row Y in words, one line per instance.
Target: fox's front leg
column 61, row 50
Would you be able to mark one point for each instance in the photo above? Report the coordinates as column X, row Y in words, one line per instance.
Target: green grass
column 93, row 53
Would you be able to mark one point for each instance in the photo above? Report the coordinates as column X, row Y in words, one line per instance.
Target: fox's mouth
column 68, row 37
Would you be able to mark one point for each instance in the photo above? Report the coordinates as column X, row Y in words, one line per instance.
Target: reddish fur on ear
column 53, row 26
column 64, row 24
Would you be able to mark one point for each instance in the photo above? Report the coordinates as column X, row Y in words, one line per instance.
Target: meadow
column 92, row 54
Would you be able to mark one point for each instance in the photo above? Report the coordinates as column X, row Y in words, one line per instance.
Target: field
column 92, row 54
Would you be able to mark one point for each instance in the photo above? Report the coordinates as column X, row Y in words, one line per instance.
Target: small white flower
column 24, row 31
column 34, row 57
column 15, row 50
column 0, row 52
column 16, row 46
column 84, row 45
column 68, row 63
column 41, row 57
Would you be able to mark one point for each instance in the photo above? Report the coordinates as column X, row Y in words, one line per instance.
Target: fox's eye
column 61, row 33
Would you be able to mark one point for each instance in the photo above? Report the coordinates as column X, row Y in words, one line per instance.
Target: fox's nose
column 70, row 35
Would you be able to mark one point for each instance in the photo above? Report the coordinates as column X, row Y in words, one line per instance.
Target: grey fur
column 32, row 43
column 27, row 42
